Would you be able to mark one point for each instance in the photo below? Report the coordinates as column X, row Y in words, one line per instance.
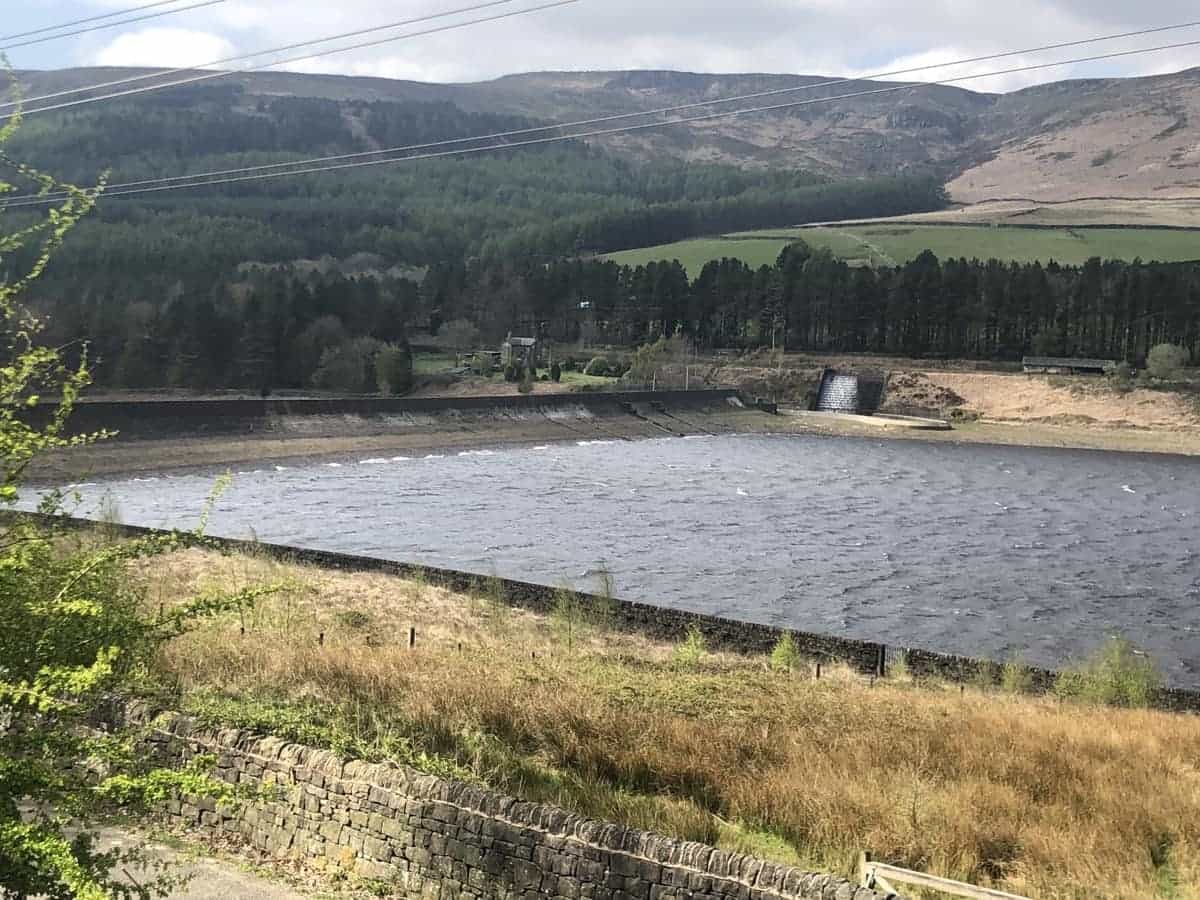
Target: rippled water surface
column 967, row 549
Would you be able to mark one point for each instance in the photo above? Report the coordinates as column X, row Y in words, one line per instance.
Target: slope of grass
column 1048, row 799
column 891, row 244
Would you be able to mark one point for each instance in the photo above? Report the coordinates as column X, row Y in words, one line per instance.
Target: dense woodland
column 288, row 327
column 295, row 282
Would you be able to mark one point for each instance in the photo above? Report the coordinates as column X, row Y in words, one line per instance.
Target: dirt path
column 212, row 878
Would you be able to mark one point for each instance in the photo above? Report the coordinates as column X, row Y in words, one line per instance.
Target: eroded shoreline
column 565, row 418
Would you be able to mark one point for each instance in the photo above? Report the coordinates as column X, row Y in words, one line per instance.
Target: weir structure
column 849, row 393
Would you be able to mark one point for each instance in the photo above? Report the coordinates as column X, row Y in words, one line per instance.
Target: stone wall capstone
column 431, row 838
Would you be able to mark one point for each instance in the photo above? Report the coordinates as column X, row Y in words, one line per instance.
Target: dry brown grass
column 1044, row 799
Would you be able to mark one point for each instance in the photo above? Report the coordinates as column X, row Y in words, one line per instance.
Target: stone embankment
column 428, row 837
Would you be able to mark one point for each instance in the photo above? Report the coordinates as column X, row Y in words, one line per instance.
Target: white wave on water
column 334, row 465
column 1127, row 489
column 373, row 461
column 594, row 443
column 435, row 456
column 281, row 468
column 542, row 447
column 477, row 453
column 742, row 493
column 399, row 458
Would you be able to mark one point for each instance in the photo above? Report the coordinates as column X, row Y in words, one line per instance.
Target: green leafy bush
column 1117, row 674
column 349, row 367
column 394, row 369
column 692, row 649
column 1015, row 677
column 784, row 656
column 599, row 367
column 1165, row 361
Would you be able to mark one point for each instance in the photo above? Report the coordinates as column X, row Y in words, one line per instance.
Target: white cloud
column 811, row 37
column 170, row 47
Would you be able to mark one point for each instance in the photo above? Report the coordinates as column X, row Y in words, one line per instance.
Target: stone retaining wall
column 168, row 418
column 663, row 622
column 431, row 838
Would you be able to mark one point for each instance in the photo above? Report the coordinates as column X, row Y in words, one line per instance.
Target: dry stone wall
column 432, row 838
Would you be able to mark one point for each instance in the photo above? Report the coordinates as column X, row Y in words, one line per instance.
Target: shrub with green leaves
column 1166, row 361
column 692, row 649
column 784, row 655
column 394, row 369
column 1117, row 674
column 76, row 628
column 1015, row 677
column 598, row 367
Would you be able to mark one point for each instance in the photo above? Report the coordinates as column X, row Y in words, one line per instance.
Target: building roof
column 1067, row 362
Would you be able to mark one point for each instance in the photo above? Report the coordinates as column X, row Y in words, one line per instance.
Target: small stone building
column 521, row 351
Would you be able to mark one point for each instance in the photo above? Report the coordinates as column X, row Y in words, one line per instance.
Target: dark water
column 967, row 549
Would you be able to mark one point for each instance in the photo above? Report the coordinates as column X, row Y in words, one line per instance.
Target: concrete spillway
column 839, row 393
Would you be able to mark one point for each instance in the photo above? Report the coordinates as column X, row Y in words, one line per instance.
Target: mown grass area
column 894, row 244
column 433, row 363
column 1039, row 796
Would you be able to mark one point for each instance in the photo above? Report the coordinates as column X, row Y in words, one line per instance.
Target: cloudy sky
column 819, row 37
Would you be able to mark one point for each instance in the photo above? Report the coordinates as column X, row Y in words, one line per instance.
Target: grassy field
column 1071, row 214
column 892, row 244
column 1046, row 798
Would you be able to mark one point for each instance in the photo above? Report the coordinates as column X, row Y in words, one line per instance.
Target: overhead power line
column 113, row 189
column 62, row 25
column 661, row 111
column 90, row 28
column 209, row 76
column 133, row 79
column 709, row 117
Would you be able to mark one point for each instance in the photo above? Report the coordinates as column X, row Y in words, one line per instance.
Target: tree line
column 299, row 327
column 811, row 300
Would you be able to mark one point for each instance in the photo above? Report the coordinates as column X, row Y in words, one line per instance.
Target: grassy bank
column 1045, row 798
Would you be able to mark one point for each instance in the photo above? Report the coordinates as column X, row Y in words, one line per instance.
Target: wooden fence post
column 412, row 638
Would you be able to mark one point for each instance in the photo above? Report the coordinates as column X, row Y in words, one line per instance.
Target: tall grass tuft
column 568, row 615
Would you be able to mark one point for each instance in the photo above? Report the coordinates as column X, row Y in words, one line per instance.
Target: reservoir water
column 979, row 550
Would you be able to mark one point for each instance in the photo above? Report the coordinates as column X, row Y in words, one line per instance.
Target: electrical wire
column 26, row 101
column 660, row 111
column 66, row 34
column 111, row 15
column 210, row 76
column 35, row 200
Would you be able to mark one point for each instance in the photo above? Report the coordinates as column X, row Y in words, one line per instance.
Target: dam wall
column 149, row 419
column 428, row 837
